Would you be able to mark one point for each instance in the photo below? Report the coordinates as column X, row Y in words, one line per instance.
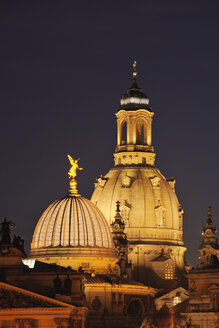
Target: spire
column 118, row 215
column 209, row 246
column 209, row 219
column 134, row 73
column 134, row 76
column 209, row 231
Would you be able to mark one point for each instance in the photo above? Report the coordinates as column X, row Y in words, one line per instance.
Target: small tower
column 209, row 248
column 120, row 238
column 134, row 127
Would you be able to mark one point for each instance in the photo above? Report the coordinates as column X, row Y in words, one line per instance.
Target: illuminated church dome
column 73, row 232
column 149, row 206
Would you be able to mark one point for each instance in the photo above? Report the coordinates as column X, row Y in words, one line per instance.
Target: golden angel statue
column 74, row 167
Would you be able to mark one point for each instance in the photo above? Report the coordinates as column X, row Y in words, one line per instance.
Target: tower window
column 124, row 134
column 142, row 134
column 169, row 272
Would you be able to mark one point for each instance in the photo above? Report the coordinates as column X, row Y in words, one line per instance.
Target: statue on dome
column 74, row 167
column 5, row 231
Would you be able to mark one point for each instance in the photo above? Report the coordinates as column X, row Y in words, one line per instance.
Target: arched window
column 169, row 272
column 134, row 308
column 141, row 133
column 143, row 160
column 124, row 134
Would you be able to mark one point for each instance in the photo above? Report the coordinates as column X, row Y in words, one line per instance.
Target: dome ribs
column 69, row 233
column 74, row 223
column 55, row 223
column 53, row 208
column 39, row 227
column 83, row 219
column 62, row 234
column 92, row 225
column 73, row 230
column 77, row 233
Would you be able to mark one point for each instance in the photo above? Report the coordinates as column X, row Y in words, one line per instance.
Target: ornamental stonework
column 13, row 299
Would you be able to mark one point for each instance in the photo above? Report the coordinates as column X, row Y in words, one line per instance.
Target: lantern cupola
column 134, row 127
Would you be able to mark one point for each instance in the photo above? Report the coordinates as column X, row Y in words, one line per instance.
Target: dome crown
column 134, row 98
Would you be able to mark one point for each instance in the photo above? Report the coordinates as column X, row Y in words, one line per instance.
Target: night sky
column 64, row 66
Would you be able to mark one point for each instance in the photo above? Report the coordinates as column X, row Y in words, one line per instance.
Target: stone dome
column 73, row 232
column 149, row 205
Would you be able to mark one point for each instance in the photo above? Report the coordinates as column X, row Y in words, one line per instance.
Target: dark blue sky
column 64, row 66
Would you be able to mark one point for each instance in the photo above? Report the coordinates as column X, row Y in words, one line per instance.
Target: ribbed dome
column 72, row 221
column 73, row 232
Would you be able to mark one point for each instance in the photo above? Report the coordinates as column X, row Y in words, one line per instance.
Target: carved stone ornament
column 125, row 210
column 13, row 299
column 155, row 181
column 96, row 304
column 24, row 323
column 126, row 181
column 160, row 212
column 100, row 182
column 172, row 183
column 192, row 287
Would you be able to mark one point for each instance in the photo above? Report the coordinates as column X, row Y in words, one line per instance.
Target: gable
column 14, row 297
column 180, row 291
column 214, row 287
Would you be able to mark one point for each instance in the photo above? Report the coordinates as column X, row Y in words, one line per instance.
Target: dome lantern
column 134, row 98
column 134, row 127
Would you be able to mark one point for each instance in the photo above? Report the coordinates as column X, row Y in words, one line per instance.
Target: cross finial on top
column 134, row 74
